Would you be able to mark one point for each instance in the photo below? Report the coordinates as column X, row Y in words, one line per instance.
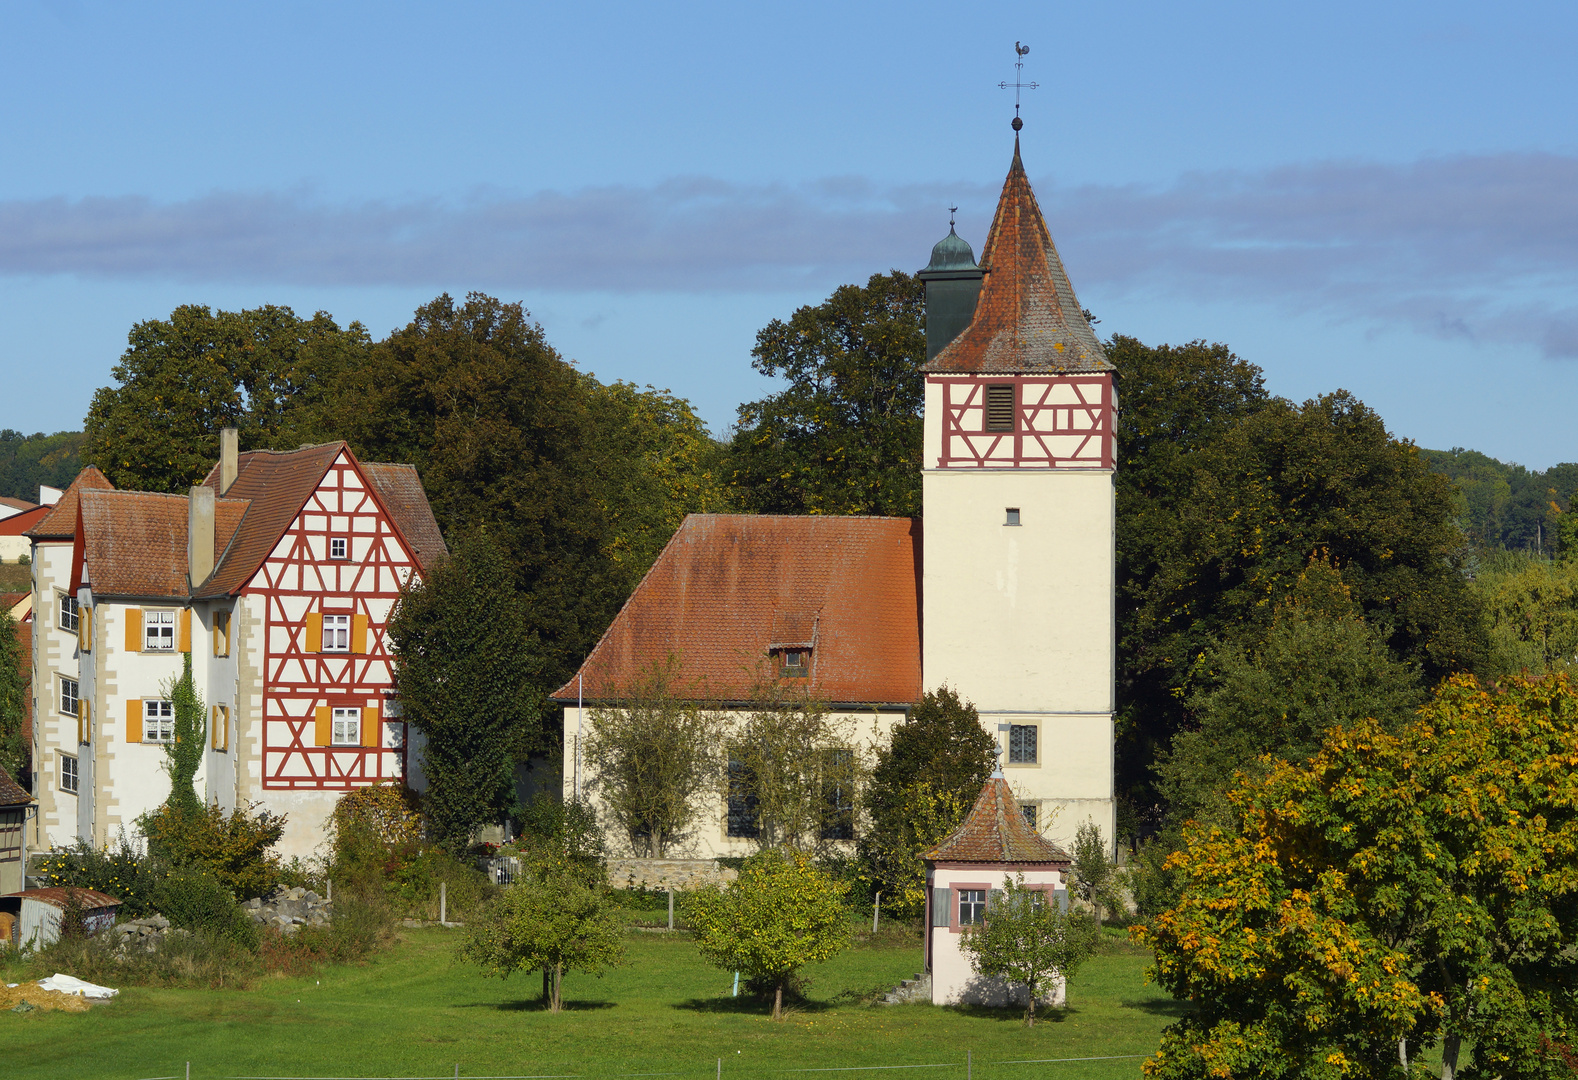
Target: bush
column 235, row 848
column 120, row 871
column 197, row 900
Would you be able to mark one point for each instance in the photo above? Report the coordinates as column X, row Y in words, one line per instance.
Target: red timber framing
column 303, row 588
column 1059, row 422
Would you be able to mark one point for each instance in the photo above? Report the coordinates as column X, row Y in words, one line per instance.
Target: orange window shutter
column 323, row 723
column 359, row 634
column 370, row 730
column 134, row 630
column 314, row 642
column 134, row 720
column 213, row 726
column 85, row 630
column 185, row 644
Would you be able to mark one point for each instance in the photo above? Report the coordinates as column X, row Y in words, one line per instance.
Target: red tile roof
column 728, row 587
column 995, row 831
column 1027, row 318
column 59, row 895
column 18, row 524
column 399, row 489
column 134, row 542
column 11, row 792
column 16, row 504
column 61, row 521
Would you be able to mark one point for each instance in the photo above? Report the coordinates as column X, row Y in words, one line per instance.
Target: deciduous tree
column 844, row 437
column 1027, row 940
column 13, row 749
column 780, row 915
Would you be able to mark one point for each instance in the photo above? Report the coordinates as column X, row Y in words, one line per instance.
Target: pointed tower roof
column 1027, row 319
column 995, row 831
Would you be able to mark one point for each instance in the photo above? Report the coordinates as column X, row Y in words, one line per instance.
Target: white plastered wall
column 54, row 655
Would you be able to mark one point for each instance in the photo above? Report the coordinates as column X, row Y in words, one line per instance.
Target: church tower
column 1018, row 580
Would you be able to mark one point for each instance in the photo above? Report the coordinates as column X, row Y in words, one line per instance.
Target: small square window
column 797, row 663
column 972, row 907
column 70, row 613
column 1013, row 516
column 68, row 773
column 337, row 547
column 158, row 721
column 347, row 729
column 1022, row 744
column 158, row 628
column 336, row 633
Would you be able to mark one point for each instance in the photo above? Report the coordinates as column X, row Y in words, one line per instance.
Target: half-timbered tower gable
column 326, row 589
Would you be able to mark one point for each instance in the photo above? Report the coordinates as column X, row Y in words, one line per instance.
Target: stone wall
column 659, row 874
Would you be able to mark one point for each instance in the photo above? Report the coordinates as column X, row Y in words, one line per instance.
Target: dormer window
column 1000, row 407
column 337, row 547
column 796, row 663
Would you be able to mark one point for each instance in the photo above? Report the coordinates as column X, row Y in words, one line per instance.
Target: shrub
column 234, row 847
column 120, row 871
column 195, row 899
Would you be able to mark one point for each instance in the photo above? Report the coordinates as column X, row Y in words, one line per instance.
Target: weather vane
column 1020, row 52
column 952, row 210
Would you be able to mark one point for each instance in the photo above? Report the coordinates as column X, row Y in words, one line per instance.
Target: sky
column 1379, row 197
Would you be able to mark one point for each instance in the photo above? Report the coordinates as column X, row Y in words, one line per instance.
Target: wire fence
column 714, row 1068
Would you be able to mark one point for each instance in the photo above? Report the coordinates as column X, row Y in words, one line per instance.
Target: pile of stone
column 290, row 909
column 681, row 875
column 142, row 934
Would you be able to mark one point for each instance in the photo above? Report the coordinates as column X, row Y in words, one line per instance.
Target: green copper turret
column 953, row 282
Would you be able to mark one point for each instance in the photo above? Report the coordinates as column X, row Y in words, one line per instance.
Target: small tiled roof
column 995, row 831
column 61, row 521
column 11, row 792
column 399, row 489
column 18, row 524
column 277, row 483
column 16, row 504
column 58, row 896
column 1027, row 318
column 730, row 586
column 134, row 542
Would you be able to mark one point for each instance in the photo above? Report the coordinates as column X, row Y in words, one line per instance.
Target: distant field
column 414, row 1012
column 15, row 578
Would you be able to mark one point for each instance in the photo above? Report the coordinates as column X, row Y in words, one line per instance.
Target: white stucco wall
column 54, row 655
column 953, row 980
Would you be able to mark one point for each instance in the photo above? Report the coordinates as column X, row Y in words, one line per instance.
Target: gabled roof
column 399, row 489
column 19, row 523
column 11, row 792
column 730, row 586
column 61, row 521
column 1027, row 319
column 995, row 831
column 16, row 504
column 133, row 543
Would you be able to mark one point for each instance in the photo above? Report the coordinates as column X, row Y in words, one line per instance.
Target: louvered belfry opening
column 1000, row 407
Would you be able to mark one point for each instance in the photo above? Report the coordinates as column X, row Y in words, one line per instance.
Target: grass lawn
column 413, row 1012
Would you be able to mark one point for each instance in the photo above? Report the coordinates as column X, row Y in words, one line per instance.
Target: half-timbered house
column 276, row 576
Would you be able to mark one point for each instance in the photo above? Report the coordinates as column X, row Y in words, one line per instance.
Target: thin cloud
column 1479, row 247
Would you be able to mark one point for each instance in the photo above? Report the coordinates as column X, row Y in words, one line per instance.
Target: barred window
column 1000, row 407
column 70, row 613
column 1022, row 744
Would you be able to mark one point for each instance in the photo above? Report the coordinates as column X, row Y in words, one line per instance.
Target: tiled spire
column 995, row 831
column 1027, row 319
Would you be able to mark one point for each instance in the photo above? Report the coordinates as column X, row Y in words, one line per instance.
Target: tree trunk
column 1449, row 1049
column 1030, row 1006
column 1402, row 1053
column 558, row 975
column 778, row 1001
column 547, row 989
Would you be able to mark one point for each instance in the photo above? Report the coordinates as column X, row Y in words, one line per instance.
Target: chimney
column 229, row 461
column 200, row 534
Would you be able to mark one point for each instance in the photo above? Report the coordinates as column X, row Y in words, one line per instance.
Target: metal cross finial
column 1020, row 52
column 952, row 210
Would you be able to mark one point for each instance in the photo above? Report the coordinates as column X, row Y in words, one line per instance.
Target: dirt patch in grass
column 39, row 998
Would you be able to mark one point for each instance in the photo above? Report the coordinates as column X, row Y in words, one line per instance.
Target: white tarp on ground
column 68, row 984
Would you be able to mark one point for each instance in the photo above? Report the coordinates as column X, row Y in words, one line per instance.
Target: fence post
column 969, row 1065
column 876, row 909
column 443, row 906
column 671, row 907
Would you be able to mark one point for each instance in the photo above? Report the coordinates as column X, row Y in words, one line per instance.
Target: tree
column 264, row 371
column 557, row 923
column 184, row 752
column 796, row 767
column 845, row 436
column 13, row 704
column 1532, row 607
column 781, row 914
column 1321, row 665
column 652, row 757
column 1398, row 891
column 27, row 461
column 924, row 781
column 1027, row 940
column 464, row 667
column 1093, row 870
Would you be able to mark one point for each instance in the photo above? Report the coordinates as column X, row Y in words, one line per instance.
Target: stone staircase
column 916, row 989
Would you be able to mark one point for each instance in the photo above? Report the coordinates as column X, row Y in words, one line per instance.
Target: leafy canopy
column 14, row 751
column 1029, row 941
column 781, row 914
column 1398, row 892
column 845, row 436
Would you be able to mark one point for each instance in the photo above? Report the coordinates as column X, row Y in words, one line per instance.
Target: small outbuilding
column 16, row 806
column 965, row 875
column 37, row 913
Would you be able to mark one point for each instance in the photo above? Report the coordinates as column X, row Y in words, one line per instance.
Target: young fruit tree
column 1093, row 870
column 556, row 923
column 1028, row 939
column 1397, row 892
column 780, row 915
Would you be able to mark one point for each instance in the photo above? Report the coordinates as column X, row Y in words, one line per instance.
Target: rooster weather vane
column 1020, row 52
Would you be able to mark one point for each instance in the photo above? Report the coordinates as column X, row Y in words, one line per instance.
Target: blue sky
column 1379, row 197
